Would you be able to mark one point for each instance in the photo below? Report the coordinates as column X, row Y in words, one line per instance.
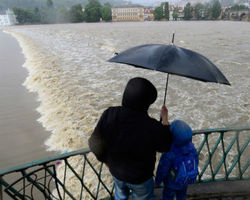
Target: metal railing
column 227, row 154
column 224, row 154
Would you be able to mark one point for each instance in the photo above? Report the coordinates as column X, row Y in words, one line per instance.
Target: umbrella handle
column 165, row 95
column 166, row 91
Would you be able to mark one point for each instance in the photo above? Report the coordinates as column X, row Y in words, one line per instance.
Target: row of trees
column 199, row 11
column 237, row 7
column 48, row 14
column 162, row 12
column 31, row 4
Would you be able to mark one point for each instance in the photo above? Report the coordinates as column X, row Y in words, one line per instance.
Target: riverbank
column 22, row 137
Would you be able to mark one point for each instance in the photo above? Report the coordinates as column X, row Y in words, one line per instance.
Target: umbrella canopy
column 173, row 60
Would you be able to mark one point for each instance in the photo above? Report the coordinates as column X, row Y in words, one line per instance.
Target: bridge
column 238, row 15
column 224, row 172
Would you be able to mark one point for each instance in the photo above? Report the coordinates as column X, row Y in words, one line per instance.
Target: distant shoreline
column 34, row 24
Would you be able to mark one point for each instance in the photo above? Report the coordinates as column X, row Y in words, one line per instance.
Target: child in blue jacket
column 178, row 167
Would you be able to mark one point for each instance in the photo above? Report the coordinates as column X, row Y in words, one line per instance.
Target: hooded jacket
column 127, row 139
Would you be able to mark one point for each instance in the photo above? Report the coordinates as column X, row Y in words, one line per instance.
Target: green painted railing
column 224, row 154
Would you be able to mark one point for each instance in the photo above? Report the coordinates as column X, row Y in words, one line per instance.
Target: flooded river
column 68, row 69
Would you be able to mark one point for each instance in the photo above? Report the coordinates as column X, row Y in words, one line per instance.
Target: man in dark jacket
column 126, row 139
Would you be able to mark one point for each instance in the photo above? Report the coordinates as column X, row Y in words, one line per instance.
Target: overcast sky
column 154, row 1
column 144, row 1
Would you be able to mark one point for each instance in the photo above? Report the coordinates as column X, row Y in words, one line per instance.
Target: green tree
column 242, row 7
column 62, row 15
column 76, row 13
column 50, row 3
column 92, row 11
column 207, row 11
column 165, row 10
column 216, row 9
column 198, row 11
column 106, row 12
column 175, row 13
column 188, row 12
column 238, row 7
column 158, row 13
column 25, row 16
column 37, row 15
column 48, row 15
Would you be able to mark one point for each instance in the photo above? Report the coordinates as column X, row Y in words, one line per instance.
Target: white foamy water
column 68, row 69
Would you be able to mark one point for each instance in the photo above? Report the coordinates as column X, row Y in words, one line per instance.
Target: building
column 180, row 11
column 149, row 14
column 128, row 13
column 171, row 11
column 7, row 18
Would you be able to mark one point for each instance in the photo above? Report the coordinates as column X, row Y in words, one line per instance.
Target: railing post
column 239, row 155
column 224, row 156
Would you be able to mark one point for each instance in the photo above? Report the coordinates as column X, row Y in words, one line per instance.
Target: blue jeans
column 170, row 194
column 143, row 191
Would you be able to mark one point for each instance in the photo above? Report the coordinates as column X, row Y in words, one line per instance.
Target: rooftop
column 129, row 6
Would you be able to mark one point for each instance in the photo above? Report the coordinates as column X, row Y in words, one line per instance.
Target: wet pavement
column 223, row 190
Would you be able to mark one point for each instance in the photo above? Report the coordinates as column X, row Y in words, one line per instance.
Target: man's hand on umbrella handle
column 164, row 115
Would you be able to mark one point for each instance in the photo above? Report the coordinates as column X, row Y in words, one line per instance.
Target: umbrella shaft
column 173, row 38
column 166, row 91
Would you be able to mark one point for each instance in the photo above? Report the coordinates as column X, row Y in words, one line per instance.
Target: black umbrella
column 172, row 60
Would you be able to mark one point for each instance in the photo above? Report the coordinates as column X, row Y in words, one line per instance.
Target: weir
column 224, row 155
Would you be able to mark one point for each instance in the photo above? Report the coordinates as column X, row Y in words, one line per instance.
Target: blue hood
column 182, row 133
column 185, row 149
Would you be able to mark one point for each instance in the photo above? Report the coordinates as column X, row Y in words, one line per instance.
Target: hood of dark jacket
column 139, row 94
